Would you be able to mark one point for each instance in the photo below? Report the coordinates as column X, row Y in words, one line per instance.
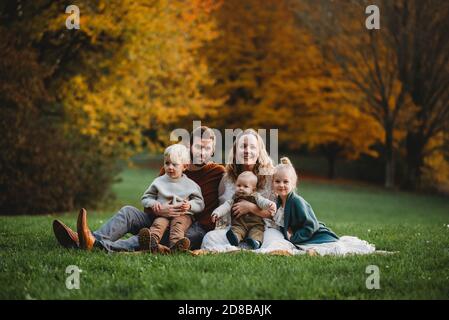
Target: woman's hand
column 243, row 207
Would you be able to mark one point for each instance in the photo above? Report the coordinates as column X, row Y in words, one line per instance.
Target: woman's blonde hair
column 286, row 165
column 262, row 168
column 178, row 153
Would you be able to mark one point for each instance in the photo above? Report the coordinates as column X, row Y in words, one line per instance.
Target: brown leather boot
column 86, row 238
column 163, row 249
column 181, row 245
column 65, row 236
column 147, row 241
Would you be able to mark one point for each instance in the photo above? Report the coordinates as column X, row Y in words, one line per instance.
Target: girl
column 295, row 216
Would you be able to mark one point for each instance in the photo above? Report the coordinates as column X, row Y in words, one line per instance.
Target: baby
column 249, row 226
column 171, row 188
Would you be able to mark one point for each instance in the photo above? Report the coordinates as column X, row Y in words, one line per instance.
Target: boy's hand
column 157, row 207
column 186, row 205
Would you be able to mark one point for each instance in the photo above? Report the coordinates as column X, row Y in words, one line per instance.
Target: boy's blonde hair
column 286, row 164
column 177, row 153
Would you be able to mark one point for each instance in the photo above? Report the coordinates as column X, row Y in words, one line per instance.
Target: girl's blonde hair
column 262, row 168
column 286, row 164
column 177, row 153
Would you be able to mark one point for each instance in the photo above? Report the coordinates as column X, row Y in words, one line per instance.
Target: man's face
column 202, row 150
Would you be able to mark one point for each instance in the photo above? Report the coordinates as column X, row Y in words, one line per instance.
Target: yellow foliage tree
column 274, row 75
column 147, row 75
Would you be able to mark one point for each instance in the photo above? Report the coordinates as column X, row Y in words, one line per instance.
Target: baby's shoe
column 254, row 244
column 232, row 238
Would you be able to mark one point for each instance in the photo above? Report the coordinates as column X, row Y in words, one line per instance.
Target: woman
column 248, row 154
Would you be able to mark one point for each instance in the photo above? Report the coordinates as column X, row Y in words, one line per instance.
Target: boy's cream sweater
column 168, row 190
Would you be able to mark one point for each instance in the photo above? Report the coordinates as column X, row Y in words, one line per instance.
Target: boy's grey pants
column 130, row 220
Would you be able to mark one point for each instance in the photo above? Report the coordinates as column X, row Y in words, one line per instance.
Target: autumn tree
column 132, row 67
column 420, row 39
column 273, row 74
column 369, row 63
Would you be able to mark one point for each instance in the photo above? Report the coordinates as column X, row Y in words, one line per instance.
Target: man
column 131, row 220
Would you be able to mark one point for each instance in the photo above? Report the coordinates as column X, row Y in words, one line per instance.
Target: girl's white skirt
column 274, row 241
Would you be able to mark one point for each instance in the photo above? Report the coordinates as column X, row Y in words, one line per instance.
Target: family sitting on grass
column 201, row 206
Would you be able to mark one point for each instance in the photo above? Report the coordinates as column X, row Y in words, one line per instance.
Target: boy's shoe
column 232, row 238
column 147, row 241
column 181, row 245
column 254, row 244
column 162, row 249
column 65, row 236
column 86, row 238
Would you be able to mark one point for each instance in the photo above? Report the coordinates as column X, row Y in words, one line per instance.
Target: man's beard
column 199, row 165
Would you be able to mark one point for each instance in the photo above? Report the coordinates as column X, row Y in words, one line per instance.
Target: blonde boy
column 171, row 188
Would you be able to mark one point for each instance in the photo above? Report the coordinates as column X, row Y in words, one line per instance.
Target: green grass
column 32, row 265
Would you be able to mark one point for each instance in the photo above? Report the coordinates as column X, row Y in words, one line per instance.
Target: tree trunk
column 331, row 152
column 331, row 166
column 389, row 157
column 415, row 159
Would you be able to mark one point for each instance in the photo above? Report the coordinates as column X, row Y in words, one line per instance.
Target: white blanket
column 274, row 240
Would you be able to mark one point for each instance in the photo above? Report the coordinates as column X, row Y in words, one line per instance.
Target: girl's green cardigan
column 300, row 219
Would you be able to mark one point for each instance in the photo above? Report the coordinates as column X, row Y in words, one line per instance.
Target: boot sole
column 63, row 235
column 147, row 242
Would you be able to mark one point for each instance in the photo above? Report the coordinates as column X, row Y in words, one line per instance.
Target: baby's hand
column 157, row 207
column 272, row 209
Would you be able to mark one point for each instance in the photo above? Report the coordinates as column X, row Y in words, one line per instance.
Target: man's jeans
column 130, row 220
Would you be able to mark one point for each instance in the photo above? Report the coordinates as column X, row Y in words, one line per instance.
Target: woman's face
column 247, row 150
column 282, row 183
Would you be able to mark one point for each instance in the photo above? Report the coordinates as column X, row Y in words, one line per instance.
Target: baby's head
column 176, row 160
column 284, row 178
column 246, row 183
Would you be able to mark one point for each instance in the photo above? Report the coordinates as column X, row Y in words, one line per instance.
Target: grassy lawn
column 32, row 265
